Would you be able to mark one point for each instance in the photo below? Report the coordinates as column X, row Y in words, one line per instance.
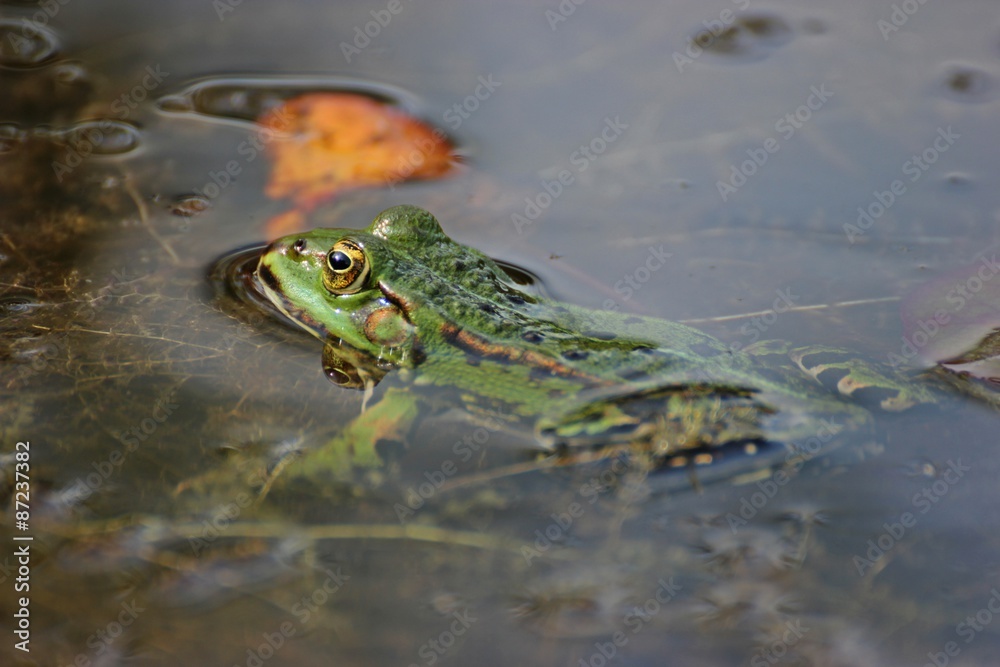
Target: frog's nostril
column 299, row 247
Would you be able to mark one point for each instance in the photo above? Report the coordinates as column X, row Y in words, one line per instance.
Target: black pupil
column 339, row 261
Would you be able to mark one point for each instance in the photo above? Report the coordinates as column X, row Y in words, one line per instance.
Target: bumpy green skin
column 448, row 316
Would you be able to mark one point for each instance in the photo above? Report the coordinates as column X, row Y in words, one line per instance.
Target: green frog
column 402, row 297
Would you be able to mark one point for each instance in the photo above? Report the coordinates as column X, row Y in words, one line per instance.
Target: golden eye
column 346, row 268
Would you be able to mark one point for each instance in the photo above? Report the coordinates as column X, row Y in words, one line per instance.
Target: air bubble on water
column 26, row 44
column 965, row 82
column 175, row 104
column 17, row 305
column 11, row 136
column 957, row 179
column 247, row 99
column 70, row 73
column 101, row 137
column 920, row 468
column 190, row 206
column 748, row 37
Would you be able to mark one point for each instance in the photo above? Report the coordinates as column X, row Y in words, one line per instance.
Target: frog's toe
column 841, row 371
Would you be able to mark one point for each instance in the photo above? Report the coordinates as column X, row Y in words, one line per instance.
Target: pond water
column 834, row 159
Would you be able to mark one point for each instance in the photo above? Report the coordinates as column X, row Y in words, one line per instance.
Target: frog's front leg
column 391, row 418
column 843, row 371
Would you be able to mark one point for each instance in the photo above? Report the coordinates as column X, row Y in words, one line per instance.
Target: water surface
column 747, row 141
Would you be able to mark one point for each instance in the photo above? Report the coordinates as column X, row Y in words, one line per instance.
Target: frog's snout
column 266, row 276
column 290, row 247
column 278, row 254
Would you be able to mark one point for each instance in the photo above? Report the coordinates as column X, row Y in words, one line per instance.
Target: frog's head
column 372, row 287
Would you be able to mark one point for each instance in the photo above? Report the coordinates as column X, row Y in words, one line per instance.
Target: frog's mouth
column 269, row 285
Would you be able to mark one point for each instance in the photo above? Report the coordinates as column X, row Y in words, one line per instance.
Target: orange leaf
column 326, row 143
column 285, row 223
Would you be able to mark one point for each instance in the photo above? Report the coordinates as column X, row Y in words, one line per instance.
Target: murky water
column 795, row 152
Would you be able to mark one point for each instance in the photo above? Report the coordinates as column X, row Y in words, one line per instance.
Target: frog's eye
column 346, row 268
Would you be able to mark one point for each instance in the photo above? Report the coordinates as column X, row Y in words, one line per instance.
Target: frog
column 450, row 325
